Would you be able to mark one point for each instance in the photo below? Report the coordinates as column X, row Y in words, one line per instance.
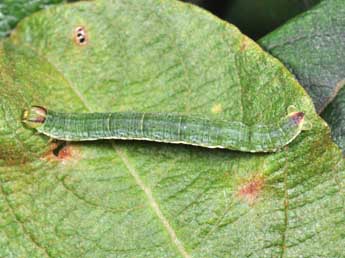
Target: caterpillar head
column 35, row 116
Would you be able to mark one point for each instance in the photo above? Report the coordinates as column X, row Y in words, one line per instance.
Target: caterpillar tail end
column 297, row 118
column 34, row 117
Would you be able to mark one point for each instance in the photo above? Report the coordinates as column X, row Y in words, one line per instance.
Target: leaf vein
column 22, row 226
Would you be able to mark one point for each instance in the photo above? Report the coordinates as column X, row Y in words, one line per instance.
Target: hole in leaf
column 62, row 151
column 80, row 36
column 58, row 149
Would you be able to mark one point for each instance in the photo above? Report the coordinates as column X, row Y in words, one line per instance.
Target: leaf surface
column 312, row 47
column 141, row 199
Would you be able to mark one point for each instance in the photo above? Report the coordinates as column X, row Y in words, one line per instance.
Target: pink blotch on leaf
column 251, row 189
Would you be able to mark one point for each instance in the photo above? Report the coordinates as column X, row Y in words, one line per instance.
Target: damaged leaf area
column 141, row 199
column 63, row 152
column 251, row 189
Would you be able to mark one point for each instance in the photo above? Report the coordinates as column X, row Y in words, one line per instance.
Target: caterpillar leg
column 50, row 140
column 59, row 146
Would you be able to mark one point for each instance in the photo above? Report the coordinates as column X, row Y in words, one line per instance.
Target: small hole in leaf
column 59, row 148
column 80, row 36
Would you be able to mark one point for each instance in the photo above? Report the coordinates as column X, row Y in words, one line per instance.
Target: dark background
column 255, row 18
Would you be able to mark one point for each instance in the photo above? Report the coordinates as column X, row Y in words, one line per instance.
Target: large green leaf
column 11, row 11
column 334, row 114
column 312, row 47
column 140, row 199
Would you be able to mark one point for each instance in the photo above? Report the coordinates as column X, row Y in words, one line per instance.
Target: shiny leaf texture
column 312, row 47
column 140, row 199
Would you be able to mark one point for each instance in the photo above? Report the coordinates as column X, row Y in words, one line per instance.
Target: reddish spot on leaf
column 61, row 152
column 65, row 153
column 251, row 189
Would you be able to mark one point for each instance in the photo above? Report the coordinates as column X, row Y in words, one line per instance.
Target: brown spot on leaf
column 244, row 43
column 250, row 190
column 80, row 36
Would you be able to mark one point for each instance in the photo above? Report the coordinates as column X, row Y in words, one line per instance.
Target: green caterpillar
column 167, row 128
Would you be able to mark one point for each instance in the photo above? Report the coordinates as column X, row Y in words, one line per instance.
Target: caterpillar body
column 167, row 128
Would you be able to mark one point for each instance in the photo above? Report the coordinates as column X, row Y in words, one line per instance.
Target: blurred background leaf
column 256, row 18
column 334, row 115
column 12, row 11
